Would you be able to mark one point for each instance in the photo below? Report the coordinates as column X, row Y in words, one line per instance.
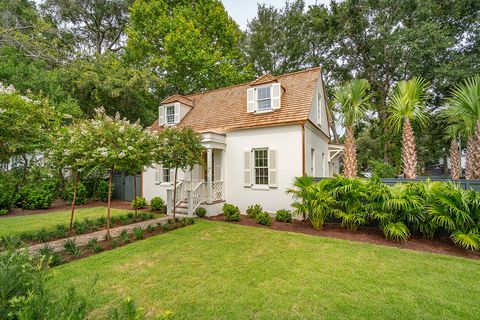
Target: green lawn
column 35, row 222
column 214, row 270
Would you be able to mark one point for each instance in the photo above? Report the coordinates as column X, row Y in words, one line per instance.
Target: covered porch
column 204, row 184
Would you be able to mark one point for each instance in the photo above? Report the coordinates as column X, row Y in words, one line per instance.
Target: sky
column 244, row 10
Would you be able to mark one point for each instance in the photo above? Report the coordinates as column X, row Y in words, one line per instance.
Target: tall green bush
column 81, row 197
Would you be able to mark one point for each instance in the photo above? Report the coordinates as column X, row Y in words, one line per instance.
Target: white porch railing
column 181, row 192
column 195, row 197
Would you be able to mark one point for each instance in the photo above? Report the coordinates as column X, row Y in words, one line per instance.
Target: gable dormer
column 173, row 109
column 264, row 94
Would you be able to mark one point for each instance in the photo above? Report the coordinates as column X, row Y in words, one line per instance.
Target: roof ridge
column 248, row 82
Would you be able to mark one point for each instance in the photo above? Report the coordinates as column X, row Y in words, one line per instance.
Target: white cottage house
column 259, row 136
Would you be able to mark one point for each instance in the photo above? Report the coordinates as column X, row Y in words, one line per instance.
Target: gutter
column 303, row 148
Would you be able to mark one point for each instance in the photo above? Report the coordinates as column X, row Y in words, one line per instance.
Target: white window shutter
column 272, row 167
column 247, row 168
column 172, row 175
column 177, row 112
column 250, row 100
column 158, row 171
column 161, row 115
column 276, row 94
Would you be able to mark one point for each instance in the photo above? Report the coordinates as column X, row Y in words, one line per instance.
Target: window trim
column 255, row 185
column 256, row 99
column 172, row 106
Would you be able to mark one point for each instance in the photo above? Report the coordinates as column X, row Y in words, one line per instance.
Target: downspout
column 303, row 148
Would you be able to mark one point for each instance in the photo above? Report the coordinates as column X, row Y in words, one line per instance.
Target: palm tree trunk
column 75, row 188
column 350, row 155
column 409, row 155
column 109, row 201
column 469, row 164
column 454, row 160
column 476, row 153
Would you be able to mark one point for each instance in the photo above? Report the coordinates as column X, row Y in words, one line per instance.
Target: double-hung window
column 166, row 175
column 170, row 114
column 260, row 166
column 264, row 99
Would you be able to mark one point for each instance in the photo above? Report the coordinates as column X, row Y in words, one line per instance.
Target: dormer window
column 264, row 101
column 170, row 115
column 264, row 98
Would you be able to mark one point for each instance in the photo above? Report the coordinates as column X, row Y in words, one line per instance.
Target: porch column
column 209, row 175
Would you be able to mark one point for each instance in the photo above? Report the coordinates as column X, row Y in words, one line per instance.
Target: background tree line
column 127, row 55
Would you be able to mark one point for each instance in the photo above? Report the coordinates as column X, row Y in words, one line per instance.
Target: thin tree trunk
column 455, row 160
column 109, row 201
column 75, row 188
column 135, row 192
column 350, row 155
column 174, row 194
column 409, row 155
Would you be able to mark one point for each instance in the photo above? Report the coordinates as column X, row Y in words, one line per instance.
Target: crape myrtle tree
column 353, row 102
column 72, row 149
column 407, row 104
column 178, row 149
column 25, row 125
column 117, row 142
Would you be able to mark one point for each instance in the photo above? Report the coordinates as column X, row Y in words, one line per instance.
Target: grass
column 35, row 222
column 214, row 270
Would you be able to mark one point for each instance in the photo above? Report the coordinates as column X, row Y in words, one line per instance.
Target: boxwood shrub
column 157, row 204
column 201, row 212
column 141, row 203
column 231, row 212
column 254, row 210
column 36, row 197
column 284, row 215
column 264, row 218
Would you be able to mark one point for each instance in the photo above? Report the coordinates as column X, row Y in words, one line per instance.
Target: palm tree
column 407, row 104
column 465, row 104
column 353, row 100
column 453, row 132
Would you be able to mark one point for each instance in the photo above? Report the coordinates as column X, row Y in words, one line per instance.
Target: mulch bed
column 59, row 205
column 364, row 234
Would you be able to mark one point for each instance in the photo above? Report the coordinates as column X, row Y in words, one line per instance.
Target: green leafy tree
column 353, row 101
column 192, row 46
column 407, row 104
column 178, row 149
column 110, row 82
column 97, row 26
column 276, row 40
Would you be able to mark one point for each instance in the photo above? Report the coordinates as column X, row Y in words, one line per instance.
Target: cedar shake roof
column 225, row 109
column 266, row 78
column 176, row 97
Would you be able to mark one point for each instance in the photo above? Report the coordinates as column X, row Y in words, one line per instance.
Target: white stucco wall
column 314, row 139
column 151, row 189
column 312, row 116
column 287, row 140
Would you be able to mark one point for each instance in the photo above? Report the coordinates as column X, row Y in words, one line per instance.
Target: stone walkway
column 83, row 239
